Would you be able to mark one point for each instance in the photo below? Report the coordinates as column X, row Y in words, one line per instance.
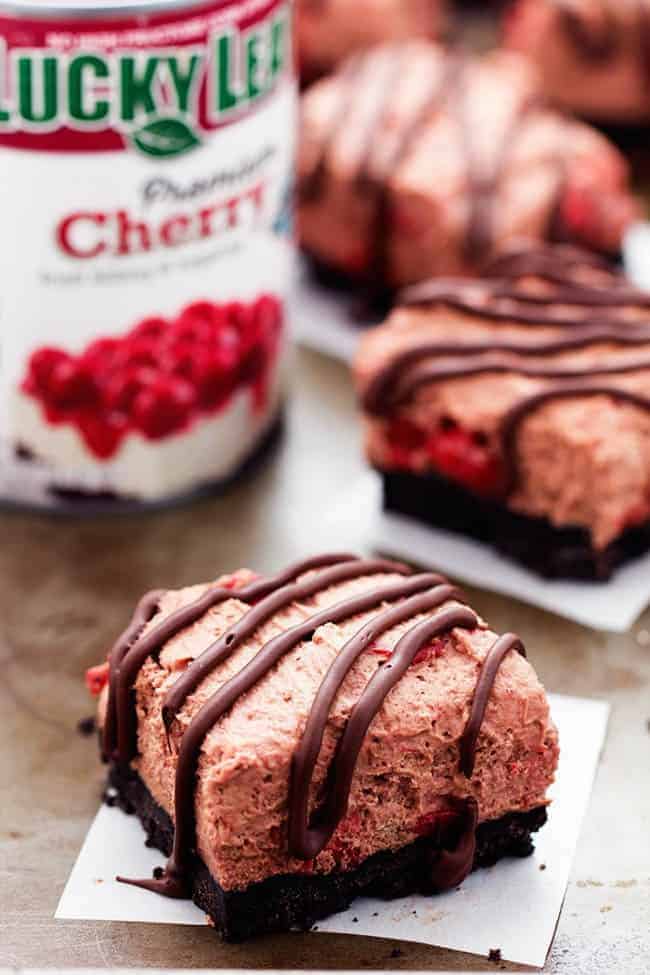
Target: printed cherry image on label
column 145, row 248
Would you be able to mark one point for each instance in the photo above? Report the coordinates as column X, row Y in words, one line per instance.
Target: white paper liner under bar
column 357, row 519
column 513, row 907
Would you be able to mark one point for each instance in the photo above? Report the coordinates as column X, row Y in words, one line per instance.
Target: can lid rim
column 96, row 9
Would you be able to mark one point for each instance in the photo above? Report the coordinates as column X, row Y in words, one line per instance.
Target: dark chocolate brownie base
column 297, row 902
column 554, row 553
column 369, row 301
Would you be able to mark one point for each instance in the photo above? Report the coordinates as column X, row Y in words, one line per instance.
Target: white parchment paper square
column 356, row 519
column 513, row 906
column 322, row 318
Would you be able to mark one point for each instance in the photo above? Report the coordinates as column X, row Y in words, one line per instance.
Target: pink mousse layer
column 554, row 167
column 614, row 88
column 408, row 766
column 330, row 30
column 582, row 461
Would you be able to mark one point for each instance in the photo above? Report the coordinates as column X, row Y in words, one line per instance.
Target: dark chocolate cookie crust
column 554, row 553
column 292, row 902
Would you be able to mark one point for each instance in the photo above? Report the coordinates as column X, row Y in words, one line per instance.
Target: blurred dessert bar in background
column 330, row 30
column 593, row 55
column 515, row 409
column 415, row 162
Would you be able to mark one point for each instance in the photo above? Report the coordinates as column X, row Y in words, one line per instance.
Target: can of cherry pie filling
column 146, row 153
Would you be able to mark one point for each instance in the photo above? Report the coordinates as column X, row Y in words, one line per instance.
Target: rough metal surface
column 66, row 589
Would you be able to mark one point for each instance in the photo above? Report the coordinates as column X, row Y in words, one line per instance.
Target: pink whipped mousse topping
column 330, row 30
column 353, row 123
column 407, row 774
column 611, row 88
column 581, row 461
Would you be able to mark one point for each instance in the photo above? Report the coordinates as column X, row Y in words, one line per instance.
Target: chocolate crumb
column 375, row 913
column 355, row 920
column 158, row 873
column 315, row 927
column 542, row 866
column 396, row 953
column 87, row 726
column 110, row 797
column 495, row 955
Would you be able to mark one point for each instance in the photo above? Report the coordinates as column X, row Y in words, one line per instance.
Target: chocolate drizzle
column 310, row 841
column 488, row 674
column 593, row 45
column 220, row 651
column 312, row 186
column 483, row 182
column 506, row 299
column 378, row 183
column 307, row 841
column 449, row 93
column 412, row 597
column 603, row 44
column 130, row 652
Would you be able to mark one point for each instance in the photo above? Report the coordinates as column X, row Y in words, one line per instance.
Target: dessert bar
column 593, row 56
column 328, row 31
column 417, row 162
column 515, row 409
column 344, row 727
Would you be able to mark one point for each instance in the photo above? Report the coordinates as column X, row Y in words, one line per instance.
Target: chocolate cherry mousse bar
column 417, row 162
column 515, row 409
column 344, row 727
column 331, row 30
column 593, row 55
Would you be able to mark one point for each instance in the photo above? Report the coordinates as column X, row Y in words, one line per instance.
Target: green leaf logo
column 165, row 137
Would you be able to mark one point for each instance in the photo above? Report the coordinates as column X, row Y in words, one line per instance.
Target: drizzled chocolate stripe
column 306, row 842
column 369, row 704
column 441, row 86
column 593, row 45
column 418, row 594
column 602, row 45
column 497, row 301
column 144, row 613
column 387, row 388
column 483, row 182
column 644, row 37
column 426, row 373
column 517, row 414
column 248, row 625
column 392, row 73
column 556, row 263
column 487, row 677
column 312, row 185
column 129, row 654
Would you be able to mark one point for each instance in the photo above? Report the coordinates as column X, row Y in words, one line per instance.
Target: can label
column 145, row 246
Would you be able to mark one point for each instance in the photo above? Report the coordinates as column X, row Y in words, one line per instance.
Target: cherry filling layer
column 452, row 451
column 161, row 376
